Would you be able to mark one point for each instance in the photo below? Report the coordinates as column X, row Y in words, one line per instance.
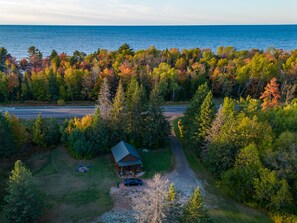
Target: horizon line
column 139, row 25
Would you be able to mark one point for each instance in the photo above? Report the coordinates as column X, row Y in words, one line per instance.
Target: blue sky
column 148, row 12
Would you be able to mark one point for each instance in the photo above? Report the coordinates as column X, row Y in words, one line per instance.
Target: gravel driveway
column 184, row 179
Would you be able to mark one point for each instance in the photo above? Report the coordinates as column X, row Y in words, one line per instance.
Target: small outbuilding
column 126, row 158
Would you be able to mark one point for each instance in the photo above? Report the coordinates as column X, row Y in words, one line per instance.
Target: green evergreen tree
column 173, row 208
column 118, row 115
column 136, row 105
column 190, row 121
column 38, row 135
column 52, row 132
column 7, row 143
column 53, row 87
column 99, row 134
column 194, row 211
column 24, row 203
column 157, row 128
column 205, row 118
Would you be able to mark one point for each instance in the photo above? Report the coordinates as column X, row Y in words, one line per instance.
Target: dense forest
column 249, row 145
column 130, row 115
column 77, row 77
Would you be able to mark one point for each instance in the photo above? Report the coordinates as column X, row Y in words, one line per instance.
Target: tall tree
column 136, row 105
column 157, row 128
column 103, row 102
column 205, row 118
column 118, row 114
column 24, row 203
column 35, row 56
column 190, row 121
column 53, row 87
column 271, row 95
column 7, row 142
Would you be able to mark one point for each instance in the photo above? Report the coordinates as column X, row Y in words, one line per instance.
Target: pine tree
column 271, row 95
column 190, row 120
column 7, row 142
column 38, row 133
column 24, row 203
column 173, row 208
column 157, row 128
column 104, row 103
column 136, row 105
column 205, row 118
column 53, row 87
column 194, row 211
column 118, row 114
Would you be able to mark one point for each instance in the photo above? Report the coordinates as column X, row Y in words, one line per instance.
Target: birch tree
column 104, row 103
column 151, row 206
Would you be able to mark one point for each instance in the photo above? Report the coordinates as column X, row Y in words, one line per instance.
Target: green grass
column 222, row 208
column 157, row 161
column 77, row 197
column 72, row 196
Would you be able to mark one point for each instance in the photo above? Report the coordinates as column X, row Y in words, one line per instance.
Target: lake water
column 17, row 39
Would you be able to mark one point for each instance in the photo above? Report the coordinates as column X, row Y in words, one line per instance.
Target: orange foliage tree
column 271, row 95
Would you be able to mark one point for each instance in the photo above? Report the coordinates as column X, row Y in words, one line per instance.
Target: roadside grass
column 221, row 207
column 73, row 196
column 157, row 161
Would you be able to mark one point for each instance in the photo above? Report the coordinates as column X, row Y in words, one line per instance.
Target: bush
column 61, row 102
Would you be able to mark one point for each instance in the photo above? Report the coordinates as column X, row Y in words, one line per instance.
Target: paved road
column 71, row 111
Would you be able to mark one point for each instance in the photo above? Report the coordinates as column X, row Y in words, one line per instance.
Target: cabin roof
column 123, row 149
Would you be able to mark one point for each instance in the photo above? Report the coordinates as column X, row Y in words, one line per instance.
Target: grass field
column 157, row 161
column 80, row 197
column 222, row 209
column 73, row 196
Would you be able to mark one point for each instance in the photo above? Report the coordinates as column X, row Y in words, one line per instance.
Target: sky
column 147, row 12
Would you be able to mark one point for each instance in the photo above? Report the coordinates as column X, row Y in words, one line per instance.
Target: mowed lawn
column 222, row 208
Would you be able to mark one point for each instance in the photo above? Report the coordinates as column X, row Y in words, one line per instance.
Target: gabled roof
column 123, row 149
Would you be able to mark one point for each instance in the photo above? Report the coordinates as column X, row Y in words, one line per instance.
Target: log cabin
column 126, row 159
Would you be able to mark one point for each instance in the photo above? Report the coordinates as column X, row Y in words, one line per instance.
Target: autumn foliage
column 271, row 95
